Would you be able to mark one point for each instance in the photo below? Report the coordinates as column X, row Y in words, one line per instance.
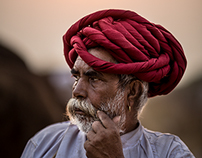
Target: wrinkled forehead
column 98, row 52
column 102, row 53
column 81, row 67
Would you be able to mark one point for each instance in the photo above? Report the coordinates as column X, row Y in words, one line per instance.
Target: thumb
column 116, row 120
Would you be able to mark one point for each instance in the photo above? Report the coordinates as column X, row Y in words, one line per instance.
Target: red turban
column 144, row 49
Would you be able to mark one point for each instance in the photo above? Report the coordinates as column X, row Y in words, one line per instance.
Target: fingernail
column 98, row 112
column 117, row 119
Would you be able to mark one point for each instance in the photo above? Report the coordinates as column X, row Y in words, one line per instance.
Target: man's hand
column 104, row 140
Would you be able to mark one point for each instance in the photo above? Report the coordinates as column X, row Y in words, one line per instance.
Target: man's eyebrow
column 93, row 73
column 73, row 71
column 88, row 73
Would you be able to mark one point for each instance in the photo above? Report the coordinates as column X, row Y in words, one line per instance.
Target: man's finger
column 116, row 120
column 104, row 118
column 97, row 126
column 90, row 135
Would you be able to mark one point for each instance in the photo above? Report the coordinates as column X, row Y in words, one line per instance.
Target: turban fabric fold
column 144, row 49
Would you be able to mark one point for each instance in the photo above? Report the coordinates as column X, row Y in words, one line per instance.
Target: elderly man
column 118, row 59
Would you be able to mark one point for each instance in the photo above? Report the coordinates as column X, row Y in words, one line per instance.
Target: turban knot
column 144, row 49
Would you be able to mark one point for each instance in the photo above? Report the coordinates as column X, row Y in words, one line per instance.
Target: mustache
column 82, row 105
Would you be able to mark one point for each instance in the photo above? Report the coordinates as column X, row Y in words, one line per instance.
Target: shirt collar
column 132, row 137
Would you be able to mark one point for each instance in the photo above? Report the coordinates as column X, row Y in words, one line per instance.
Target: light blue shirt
column 67, row 141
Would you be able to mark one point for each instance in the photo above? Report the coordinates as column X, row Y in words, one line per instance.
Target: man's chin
column 83, row 123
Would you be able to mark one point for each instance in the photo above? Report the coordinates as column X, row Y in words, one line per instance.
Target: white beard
column 114, row 107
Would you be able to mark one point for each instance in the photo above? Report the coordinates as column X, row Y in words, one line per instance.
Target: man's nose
column 80, row 89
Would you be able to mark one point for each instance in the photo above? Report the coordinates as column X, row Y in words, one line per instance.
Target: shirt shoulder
column 52, row 131
column 167, row 145
column 45, row 138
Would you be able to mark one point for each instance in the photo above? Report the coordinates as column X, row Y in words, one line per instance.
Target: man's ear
column 136, row 89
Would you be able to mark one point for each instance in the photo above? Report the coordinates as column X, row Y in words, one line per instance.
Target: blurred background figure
column 28, row 103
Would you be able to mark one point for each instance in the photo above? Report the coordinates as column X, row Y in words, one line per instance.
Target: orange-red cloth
column 142, row 48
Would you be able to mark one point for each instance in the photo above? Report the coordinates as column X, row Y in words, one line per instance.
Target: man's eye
column 94, row 79
column 76, row 77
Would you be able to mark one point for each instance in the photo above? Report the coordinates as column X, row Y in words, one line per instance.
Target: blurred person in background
column 119, row 60
column 27, row 103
